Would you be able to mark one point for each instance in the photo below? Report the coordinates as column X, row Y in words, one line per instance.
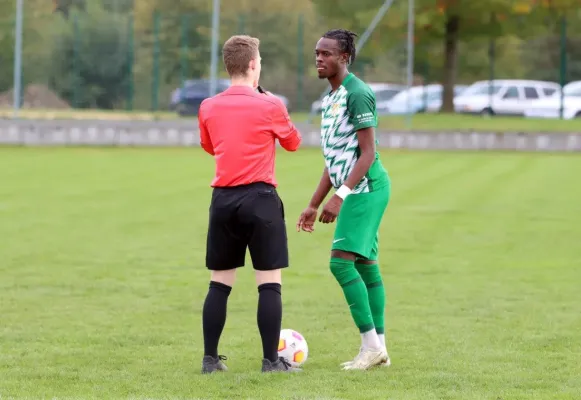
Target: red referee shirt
column 239, row 127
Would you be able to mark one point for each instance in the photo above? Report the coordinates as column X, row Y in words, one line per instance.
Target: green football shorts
column 357, row 229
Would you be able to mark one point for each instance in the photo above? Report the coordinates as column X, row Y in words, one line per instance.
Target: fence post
column 563, row 69
column 155, row 80
column 183, row 58
column 76, row 64
column 491, row 59
column 300, row 66
column 425, row 82
column 130, row 62
column 241, row 23
column 491, row 63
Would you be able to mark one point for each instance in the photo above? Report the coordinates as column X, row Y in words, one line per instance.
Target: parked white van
column 551, row 106
column 503, row 96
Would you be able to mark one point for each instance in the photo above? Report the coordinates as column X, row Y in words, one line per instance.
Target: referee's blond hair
column 237, row 53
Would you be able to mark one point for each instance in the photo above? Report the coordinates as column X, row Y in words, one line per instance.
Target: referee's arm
column 205, row 140
column 284, row 130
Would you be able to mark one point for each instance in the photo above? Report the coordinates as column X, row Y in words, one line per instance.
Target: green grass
column 102, row 280
column 421, row 122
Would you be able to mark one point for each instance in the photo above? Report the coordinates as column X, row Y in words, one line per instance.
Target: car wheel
column 487, row 112
column 185, row 110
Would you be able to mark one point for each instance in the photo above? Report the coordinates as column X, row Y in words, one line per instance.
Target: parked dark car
column 187, row 99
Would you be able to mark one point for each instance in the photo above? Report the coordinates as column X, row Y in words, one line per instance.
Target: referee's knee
column 271, row 276
column 226, row 277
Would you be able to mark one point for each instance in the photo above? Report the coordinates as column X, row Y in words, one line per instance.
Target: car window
column 511, row 93
column 384, row 95
column 531, row 93
column 221, row 86
column 575, row 92
column 481, row 89
column 434, row 96
column 549, row 91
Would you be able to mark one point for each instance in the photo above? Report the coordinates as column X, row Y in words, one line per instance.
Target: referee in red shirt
column 239, row 127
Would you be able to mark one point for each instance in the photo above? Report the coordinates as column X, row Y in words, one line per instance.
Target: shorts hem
column 358, row 254
column 256, row 268
column 223, row 268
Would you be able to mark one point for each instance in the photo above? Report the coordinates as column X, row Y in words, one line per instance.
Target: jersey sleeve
column 284, row 130
column 361, row 106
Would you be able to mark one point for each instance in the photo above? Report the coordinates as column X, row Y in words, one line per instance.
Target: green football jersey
column 345, row 111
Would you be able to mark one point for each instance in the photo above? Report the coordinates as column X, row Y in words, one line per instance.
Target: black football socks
column 269, row 318
column 214, row 316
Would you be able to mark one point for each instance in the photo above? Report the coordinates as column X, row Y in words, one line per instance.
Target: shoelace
column 222, row 358
column 285, row 362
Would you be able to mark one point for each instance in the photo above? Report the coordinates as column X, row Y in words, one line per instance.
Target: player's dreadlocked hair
column 346, row 41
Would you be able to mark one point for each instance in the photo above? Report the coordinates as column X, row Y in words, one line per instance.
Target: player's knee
column 227, row 277
column 272, row 276
column 343, row 270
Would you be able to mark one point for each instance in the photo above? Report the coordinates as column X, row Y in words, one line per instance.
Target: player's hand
column 331, row 210
column 307, row 220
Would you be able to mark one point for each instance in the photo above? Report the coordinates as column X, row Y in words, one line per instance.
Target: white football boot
column 385, row 363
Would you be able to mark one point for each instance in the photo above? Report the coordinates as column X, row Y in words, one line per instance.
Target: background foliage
column 125, row 54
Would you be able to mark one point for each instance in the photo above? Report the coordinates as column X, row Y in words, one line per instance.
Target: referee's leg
column 269, row 252
column 225, row 251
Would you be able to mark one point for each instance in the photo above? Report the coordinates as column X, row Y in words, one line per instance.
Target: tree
column 6, row 48
column 91, row 63
column 65, row 6
column 275, row 22
column 447, row 23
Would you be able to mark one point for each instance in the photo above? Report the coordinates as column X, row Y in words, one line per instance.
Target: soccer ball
column 292, row 346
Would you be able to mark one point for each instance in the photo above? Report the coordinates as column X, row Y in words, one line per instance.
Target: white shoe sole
column 385, row 363
column 380, row 360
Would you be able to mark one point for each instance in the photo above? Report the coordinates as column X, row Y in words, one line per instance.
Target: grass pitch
column 102, row 280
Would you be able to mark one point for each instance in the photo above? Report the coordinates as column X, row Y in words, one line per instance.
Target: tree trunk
column 450, row 61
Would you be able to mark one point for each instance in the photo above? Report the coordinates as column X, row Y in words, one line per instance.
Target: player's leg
column 352, row 240
column 369, row 270
column 222, row 264
column 371, row 275
column 349, row 242
column 269, row 252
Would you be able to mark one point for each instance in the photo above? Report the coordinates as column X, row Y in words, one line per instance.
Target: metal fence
column 110, row 60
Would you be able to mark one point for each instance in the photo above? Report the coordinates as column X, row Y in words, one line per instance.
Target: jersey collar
column 345, row 80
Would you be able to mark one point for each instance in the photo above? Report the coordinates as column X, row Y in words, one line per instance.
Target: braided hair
column 346, row 42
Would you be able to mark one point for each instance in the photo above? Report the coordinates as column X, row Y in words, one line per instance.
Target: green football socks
column 355, row 292
column 376, row 292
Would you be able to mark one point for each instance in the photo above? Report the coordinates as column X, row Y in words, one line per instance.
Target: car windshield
column 403, row 96
column 385, row 94
column 574, row 91
column 481, row 89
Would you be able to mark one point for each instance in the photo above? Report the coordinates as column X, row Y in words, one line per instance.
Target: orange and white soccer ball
column 293, row 347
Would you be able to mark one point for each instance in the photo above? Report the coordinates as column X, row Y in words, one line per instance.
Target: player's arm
column 361, row 106
column 366, row 139
column 284, row 130
column 205, row 140
column 322, row 190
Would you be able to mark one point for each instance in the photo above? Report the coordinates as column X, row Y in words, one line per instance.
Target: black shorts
column 246, row 216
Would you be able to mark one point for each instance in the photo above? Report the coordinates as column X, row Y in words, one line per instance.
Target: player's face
column 329, row 58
